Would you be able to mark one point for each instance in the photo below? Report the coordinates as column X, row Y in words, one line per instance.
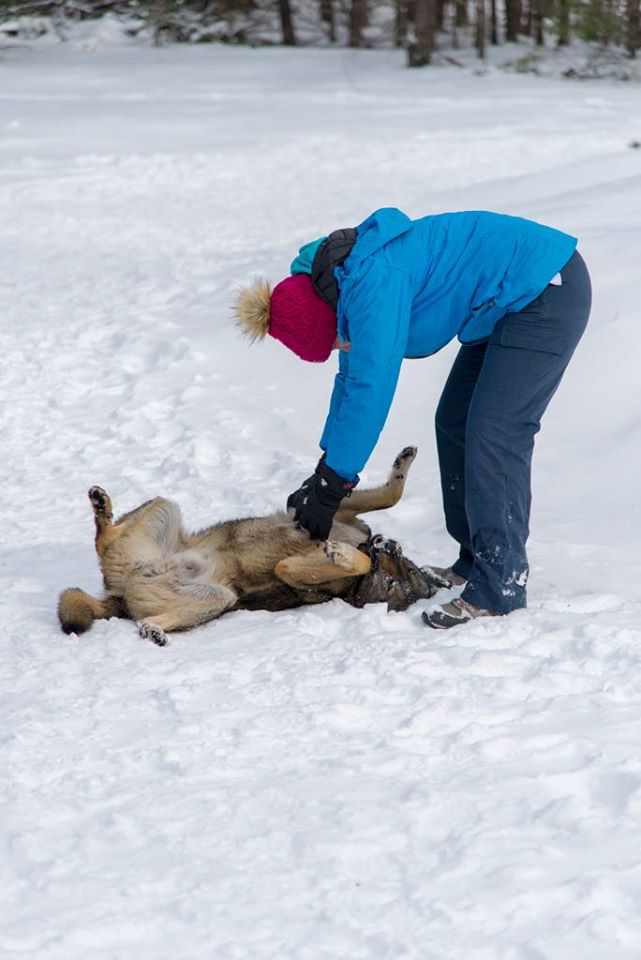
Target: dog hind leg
column 158, row 519
column 384, row 496
column 162, row 605
column 106, row 532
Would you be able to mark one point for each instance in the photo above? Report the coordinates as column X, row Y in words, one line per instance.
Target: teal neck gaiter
column 303, row 262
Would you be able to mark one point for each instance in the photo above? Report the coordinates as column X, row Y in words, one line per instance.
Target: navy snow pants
column 486, row 420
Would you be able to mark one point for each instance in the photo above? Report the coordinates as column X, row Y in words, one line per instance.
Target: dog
column 167, row 579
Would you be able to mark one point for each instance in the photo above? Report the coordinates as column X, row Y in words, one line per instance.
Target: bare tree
column 536, row 7
column 400, row 22
column 287, row 23
column 357, row 21
column 420, row 52
column 461, row 18
column 513, row 14
column 494, row 27
column 563, row 25
column 632, row 26
column 481, row 28
column 328, row 16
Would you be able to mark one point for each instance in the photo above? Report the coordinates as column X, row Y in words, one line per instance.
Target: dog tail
column 77, row 610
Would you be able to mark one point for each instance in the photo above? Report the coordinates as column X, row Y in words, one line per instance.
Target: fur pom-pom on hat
column 292, row 312
column 252, row 310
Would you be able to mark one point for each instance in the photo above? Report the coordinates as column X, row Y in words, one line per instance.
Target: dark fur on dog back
column 393, row 580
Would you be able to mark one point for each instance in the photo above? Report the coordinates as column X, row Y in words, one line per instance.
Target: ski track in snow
column 325, row 783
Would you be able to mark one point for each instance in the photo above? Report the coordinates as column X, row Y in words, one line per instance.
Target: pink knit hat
column 292, row 313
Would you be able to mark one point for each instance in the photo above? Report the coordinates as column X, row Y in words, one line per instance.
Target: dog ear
column 252, row 310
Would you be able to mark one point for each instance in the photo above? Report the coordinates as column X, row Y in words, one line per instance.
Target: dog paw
column 380, row 544
column 150, row 632
column 404, row 461
column 99, row 499
column 340, row 554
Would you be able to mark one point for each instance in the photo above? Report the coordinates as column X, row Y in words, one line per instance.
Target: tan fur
column 252, row 310
column 77, row 610
column 166, row 578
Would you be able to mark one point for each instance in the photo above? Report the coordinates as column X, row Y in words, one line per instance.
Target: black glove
column 317, row 501
column 295, row 499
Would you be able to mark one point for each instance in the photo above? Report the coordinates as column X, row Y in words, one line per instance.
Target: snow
column 324, row 783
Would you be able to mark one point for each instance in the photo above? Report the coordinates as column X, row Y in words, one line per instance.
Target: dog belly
column 347, row 533
column 194, row 564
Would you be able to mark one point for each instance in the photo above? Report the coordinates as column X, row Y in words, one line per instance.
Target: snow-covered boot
column 443, row 577
column 454, row 613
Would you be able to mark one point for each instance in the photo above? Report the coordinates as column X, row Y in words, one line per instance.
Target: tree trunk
column 564, row 23
column 420, row 53
column 537, row 21
column 494, row 27
column 329, row 18
column 287, row 23
column 357, row 21
column 609, row 22
column 461, row 17
column 632, row 27
column 400, row 23
column 481, row 28
column 513, row 15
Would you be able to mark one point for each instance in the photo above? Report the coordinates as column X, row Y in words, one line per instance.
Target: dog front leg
column 330, row 560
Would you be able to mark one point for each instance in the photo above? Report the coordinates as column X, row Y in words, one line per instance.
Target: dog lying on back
column 167, row 579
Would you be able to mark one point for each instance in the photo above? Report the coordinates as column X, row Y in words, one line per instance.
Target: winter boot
column 454, row 613
column 443, row 577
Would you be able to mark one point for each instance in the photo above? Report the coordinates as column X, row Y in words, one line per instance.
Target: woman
column 515, row 293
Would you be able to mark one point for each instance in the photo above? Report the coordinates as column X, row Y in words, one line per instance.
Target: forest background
column 607, row 31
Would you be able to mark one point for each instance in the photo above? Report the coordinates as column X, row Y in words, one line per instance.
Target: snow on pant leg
column 451, row 420
column 524, row 362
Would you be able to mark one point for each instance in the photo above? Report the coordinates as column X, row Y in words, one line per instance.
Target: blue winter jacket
column 407, row 288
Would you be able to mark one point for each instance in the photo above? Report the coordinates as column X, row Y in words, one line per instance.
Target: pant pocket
column 537, row 327
column 554, row 343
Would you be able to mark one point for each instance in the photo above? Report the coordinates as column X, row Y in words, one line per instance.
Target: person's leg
column 524, row 362
column 451, row 420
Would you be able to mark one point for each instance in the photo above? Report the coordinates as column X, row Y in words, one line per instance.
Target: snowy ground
column 321, row 784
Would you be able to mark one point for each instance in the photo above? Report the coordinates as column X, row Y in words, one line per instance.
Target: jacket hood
column 378, row 229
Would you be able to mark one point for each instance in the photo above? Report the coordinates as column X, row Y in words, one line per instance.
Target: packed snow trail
column 325, row 783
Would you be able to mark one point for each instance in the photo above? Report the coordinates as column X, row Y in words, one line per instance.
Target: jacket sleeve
column 376, row 306
column 337, row 396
